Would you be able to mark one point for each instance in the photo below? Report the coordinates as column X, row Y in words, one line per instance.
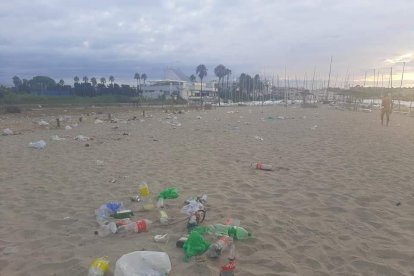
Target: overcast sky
column 62, row 38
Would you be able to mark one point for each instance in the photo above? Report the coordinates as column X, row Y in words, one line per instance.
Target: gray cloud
column 66, row 38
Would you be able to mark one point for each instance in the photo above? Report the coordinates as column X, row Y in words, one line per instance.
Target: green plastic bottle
column 239, row 233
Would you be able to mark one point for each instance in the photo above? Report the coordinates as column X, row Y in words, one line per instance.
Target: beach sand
column 340, row 200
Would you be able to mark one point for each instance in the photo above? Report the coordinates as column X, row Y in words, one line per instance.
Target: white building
column 176, row 84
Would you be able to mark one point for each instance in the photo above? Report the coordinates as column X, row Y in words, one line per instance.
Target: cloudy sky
column 64, row 38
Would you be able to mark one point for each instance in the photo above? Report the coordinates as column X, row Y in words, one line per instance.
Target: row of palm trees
column 93, row 80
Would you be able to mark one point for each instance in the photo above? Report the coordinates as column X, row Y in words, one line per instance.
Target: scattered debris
column 99, row 162
column 68, row 127
column 43, row 123
column 57, row 138
column 7, row 131
column 82, row 138
column 97, row 121
column 398, row 203
column 38, row 144
column 258, row 138
column 314, row 127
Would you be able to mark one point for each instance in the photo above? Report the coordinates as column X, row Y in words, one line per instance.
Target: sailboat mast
column 329, row 79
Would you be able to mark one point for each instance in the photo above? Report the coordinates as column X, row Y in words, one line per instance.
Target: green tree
column 85, row 79
column 137, row 76
column 144, row 77
column 61, row 82
column 76, row 79
column 17, row 82
column 93, row 81
column 201, row 71
column 103, row 81
column 111, row 79
column 193, row 78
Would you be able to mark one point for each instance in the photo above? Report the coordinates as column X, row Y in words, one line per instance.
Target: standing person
column 386, row 108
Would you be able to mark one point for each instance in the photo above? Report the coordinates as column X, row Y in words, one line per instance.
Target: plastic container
column 264, row 167
column 164, row 217
column 99, row 266
column 219, row 229
column 107, row 229
column 138, row 226
column 38, row 144
column 145, row 196
column 215, row 250
column 123, row 214
column 239, row 233
column 143, row 263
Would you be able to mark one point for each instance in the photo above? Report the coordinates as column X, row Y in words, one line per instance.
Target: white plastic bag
column 38, row 144
column 143, row 263
column 7, row 131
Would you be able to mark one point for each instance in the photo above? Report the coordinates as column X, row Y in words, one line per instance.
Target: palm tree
column 61, row 82
column 201, row 71
column 111, row 79
column 76, row 79
column 220, row 72
column 193, row 78
column 103, row 81
column 85, row 79
column 138, row 78
column 144, row 77
column 228, row 73
column 93, row 81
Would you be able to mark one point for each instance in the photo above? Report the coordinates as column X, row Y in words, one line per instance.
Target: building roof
column 175, row 74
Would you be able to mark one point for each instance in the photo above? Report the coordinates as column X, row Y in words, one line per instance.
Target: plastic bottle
column 99, row 266
column 260, row 166
column 216, row 248
column 145, row 195
column 160, row 203
column 107, row 229
column 138, row 226
column 38, row 144
column 123, row 214
column 219, row 229
column 239, row 233
column 229, row 268
column 163, row 217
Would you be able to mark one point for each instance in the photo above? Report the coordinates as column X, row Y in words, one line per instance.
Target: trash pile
column 215, row 241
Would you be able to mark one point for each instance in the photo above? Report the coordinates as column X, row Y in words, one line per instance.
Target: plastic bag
column 169, row 193
column 195, row 245
column 38, row 144
column 140, row 263
column 192, row 207
column 106, row 210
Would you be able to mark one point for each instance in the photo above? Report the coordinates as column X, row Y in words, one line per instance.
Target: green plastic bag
column 169, row 193
column 195, row 245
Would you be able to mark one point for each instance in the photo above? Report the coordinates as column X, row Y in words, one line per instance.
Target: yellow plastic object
column 143, row 190
column 101, row 264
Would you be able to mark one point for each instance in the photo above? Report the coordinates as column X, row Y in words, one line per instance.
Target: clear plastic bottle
column 264, row 167
column 215, row 249
column 219, row 229
column 138, row 226
column 107, row 229
column 229, row 268
column 99, row 266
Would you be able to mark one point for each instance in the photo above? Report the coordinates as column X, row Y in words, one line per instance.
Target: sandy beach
column 340, row 200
